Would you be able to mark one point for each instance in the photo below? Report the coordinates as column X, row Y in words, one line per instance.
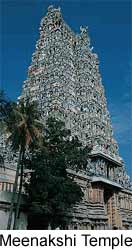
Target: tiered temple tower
column 65, row 81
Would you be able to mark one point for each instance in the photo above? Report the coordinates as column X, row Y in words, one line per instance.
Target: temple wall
column 90, row 214
column 5, row 199
column 4, row 213
column 97, row 211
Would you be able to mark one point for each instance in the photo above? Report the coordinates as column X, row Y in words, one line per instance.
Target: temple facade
column 65, row 81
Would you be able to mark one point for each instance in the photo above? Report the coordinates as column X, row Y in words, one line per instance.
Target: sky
column 109, row 29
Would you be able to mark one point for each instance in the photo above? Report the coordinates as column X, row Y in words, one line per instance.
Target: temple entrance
column 107, row 194
column 114, row 218
column 108, row 205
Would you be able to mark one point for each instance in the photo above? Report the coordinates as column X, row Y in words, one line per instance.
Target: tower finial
column 50, row 8
column 84, row 35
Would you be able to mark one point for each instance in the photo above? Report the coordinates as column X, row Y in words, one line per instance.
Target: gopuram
column 65, row 81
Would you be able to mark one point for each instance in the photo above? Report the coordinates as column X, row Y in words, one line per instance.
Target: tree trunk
column 14, row 192
column 49, row 227
column 19, row 197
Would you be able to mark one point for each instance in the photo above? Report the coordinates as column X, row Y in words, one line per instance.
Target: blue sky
column 109, row 30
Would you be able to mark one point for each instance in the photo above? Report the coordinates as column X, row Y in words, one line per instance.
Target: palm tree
column 24, row 129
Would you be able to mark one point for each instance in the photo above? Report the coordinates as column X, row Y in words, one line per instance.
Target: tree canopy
column 23, row 129
column 52, row 193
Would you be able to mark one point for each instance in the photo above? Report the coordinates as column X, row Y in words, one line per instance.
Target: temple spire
column 84, row 35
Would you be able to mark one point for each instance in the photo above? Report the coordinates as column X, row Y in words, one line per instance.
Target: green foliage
column 23, row 129
column 23, row 125
column 52, row 193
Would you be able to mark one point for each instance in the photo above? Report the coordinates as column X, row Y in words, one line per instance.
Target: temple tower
column 65, row 81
